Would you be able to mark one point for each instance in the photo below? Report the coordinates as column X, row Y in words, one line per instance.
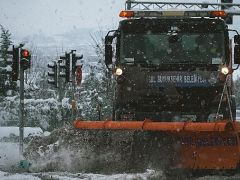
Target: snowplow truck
column 173, row 79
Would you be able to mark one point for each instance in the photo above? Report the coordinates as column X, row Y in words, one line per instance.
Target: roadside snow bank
column 8, row 176
column 8, row 131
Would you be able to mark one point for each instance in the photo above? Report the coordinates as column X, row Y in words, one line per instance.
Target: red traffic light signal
column 25, row 59
column 25, row 53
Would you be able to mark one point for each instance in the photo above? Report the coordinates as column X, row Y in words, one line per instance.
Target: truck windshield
column 170, row 48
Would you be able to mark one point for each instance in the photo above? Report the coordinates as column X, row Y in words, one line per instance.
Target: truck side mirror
column 108, row 46
column 237, row 49
column 237, row 54
column 108, row 54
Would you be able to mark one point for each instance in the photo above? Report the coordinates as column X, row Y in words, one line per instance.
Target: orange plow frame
column 203, row 145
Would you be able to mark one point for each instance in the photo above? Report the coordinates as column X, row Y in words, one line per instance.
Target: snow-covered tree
column 97, row 86
column 42, row 106
column 5, row 42
column 90, row 100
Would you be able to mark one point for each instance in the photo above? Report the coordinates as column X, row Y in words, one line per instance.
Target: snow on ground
column 7, row 176
column 28, row 131
column 9, row 154
column 9, row 147
column 149, row 174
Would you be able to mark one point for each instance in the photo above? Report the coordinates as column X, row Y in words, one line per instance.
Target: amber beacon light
column 218, row 14
column 126, row 14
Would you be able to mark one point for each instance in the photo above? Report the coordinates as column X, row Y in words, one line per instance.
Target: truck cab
column 172, row 64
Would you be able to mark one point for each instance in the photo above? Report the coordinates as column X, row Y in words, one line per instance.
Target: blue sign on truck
column 180, row 79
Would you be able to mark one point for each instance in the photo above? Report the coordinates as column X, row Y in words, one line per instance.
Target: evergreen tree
column 105, row 86
column 90, row 99
column 5, row 42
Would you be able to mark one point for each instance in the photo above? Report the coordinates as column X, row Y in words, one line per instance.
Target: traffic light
column 13, row 61
column 229, row 18
column 64, row 65
column 25, row 59
column 67, row 70
column 15, row 64
column 53, row 73
column 8, row 57
column 74, row 62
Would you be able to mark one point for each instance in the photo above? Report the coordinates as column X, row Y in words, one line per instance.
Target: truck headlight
column 224, row 70
column 118, row 72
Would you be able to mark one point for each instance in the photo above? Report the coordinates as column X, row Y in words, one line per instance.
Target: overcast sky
column 26, row 17
column 57, row 16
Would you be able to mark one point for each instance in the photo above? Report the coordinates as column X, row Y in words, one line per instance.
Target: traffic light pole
column 73, row 97
column 21, row 60
column 60, row 91
column 21, row 108
column 73, row 88
column 70, row 69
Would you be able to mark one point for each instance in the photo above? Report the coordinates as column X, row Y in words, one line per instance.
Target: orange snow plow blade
column 198, row 145
column 148, row 125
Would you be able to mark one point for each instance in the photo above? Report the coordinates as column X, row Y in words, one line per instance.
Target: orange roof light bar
column 218, row 14
column 126, row 14
column 184, row 14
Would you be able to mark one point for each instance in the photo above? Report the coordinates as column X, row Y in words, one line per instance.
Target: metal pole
column 73, row 86
column 73, row 96
column 21, row 107
column 128, row 5
column 60, row 94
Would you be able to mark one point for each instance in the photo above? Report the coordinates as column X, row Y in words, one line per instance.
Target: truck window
column 156, row 49
column 134, row 47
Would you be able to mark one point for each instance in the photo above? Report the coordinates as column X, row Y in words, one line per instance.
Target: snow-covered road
column 9, row 156
column 149, row 174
